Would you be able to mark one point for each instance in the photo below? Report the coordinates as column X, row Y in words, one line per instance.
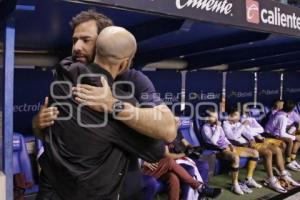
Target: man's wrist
column 112, row 102
column 117, row 107
column 37, row 131
column 35, row 124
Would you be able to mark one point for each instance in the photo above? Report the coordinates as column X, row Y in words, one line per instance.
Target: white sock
column 272, row 179
column 283, row 173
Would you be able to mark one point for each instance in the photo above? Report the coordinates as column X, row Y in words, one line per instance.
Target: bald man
column 115, row 49
column 83, row 160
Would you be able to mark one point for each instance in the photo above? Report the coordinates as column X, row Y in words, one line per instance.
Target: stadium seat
column 187, row 130
column 133, row 183
column 267, row 109
column 223, row 116
column 200, row 124
column 21, row 162
column 297, row 109
column 151, row 187
column 39, row 149
column 29, row 138
column 257, row 113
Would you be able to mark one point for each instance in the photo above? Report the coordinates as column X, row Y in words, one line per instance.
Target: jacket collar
column 97, row 69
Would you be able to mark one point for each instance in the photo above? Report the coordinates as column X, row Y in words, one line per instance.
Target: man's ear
column 123, row 66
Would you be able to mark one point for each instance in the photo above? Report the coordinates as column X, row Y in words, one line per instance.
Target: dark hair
column 288, row 106
column 102, row 21
column 232, row 110
column 209, row 110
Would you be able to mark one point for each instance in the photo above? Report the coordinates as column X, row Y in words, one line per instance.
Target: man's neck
column 107, row 68
column 232, row 122
column 211, row 123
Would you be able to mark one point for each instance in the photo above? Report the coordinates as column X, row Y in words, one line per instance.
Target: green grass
column 224, row 181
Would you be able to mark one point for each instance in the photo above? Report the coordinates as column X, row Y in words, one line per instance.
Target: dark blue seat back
column 267, row 109
column 21, row 160
column 187, row 130
column 22, row 163
column 257, row 113
column 223, row 116
column 296, row 109
column 200, row 124
column 39, row 148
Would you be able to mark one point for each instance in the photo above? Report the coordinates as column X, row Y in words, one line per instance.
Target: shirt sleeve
column 296, row 117
column 144, row 90
column 229, row 132
column 248, row 132
column 256, row 127
column 222, row 132
column 282, row 125
column 235, row 134
column 226, row 139
column 211, row 137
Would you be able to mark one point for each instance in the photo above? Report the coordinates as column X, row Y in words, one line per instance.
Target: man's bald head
column 114, row 44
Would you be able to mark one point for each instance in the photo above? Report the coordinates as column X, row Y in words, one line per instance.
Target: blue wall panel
column 268, row 87
column 239, row 88
column 203, row 88
column 291, row 86
column 31, row 87
column 168, row 84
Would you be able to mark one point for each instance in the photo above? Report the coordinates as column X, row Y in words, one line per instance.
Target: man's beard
column 88, row 59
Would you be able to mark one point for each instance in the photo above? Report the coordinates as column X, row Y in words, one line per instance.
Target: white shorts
column 286, row 135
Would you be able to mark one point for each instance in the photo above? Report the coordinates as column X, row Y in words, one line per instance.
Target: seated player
column 213, row 135
column 266, row 147
column 168, row 170
column 277, row 106
column 257, row 130
column 278, row 128
column 293, row 121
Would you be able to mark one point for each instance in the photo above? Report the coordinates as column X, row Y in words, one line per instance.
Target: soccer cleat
column 290, row 180
column 237, row 189
column 296, row 164
column 245, row 188
column 252, row 183
column 292, row 166
column 274, row 184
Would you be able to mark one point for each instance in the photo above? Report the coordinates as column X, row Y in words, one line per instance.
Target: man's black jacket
column 89, row 163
